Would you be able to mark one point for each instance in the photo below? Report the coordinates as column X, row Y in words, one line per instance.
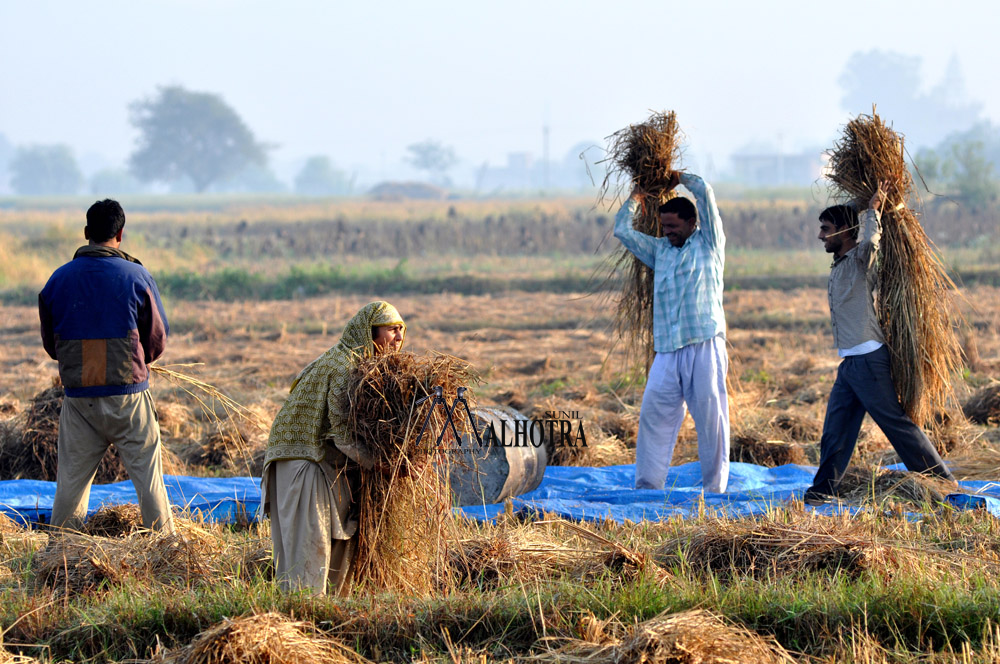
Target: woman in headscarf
column 312, row 460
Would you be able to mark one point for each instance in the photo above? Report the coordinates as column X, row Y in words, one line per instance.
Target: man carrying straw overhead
column 864, row 382
column 312, row 462
column 689, row 329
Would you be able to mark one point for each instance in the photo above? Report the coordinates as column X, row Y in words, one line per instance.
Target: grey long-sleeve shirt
column 853, row 281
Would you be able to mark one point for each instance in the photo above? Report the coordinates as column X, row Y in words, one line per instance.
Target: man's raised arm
column 641, row 245
column 708, row 212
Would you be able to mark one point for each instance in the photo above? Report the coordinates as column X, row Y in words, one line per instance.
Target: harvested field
column 788, row 584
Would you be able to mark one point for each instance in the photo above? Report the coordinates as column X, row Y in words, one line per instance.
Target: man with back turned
column 103, row 321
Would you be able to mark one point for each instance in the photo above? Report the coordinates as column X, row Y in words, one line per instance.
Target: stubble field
column 877, row 587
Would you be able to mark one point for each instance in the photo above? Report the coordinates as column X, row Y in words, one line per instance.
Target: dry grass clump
column 403, row 504
column 747, row 447
column 765, row 440
column 914, row 304
column 268, row 638
column 33, row 454
column 9, row 525
column 983, row 407
column 765, row 548
column 114, row 521
column 641, row 155
column 691, row 637
column 951, row 433
column 7, row 657
column 75, row 564
column 237, row 427
column 72, row 563
column 878, row 485
column 495, row 555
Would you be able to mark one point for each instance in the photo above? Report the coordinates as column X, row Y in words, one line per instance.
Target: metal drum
column 510, row 460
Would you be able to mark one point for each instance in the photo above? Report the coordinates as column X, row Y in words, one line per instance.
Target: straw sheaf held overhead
column 914, row 291
column 643, row 156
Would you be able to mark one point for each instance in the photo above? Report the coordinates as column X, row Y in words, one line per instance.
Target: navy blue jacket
column 103, row 320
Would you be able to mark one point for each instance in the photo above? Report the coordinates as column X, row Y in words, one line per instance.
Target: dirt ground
column 536, row 352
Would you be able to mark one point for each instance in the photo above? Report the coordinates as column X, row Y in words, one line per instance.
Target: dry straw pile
column 32, row 455
column 114, row 521
column 404, row 507
column 691, row 637
column 983, row 407
column 641, row 155
column 878, row 486
column 766, row 548
column 73, row 564
column 513, row 552
column 268, row 638
column 914, row 291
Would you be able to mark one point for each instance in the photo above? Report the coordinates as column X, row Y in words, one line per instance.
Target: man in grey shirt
column 864, row 383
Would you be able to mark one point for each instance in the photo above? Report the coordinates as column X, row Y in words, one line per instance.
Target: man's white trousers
column 694, row 375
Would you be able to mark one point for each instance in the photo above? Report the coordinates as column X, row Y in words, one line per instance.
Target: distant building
column 771, row 169
column 523, row 173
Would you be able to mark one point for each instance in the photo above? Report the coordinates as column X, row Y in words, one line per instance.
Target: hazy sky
column 359, row 81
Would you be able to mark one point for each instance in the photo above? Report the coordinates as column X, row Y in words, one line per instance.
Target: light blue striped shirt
column 687, row 280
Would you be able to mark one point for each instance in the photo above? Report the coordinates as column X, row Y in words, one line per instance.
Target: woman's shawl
column 314, row 415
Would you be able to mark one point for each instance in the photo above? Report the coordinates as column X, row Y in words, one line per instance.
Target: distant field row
column 246, row 249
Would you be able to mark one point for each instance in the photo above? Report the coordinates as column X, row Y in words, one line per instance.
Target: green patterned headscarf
column 313, row 414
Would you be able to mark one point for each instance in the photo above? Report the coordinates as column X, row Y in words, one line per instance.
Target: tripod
column 438, row 396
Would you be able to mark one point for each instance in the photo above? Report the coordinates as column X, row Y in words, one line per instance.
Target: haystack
column 983, row 407
column 914, row 294
column 404, row 507
column 643, row 156
column 268, row 638
column 238, row 430
column 691, row 637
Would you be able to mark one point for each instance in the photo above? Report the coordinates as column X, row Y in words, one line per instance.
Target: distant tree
column 191, row 134
column 255, row 178
column 319, row 177
column 434, row 157
column 6, row 154
column 45, row 169
column 893, row 82
column 963, row 165
column 111, row 182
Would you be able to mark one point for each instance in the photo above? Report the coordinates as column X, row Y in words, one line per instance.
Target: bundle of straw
column 404, row 506
column 766, row 548
column 266, row 638
column 233, row 421
column 643, row 156
column 914, row 290
column 690, row 637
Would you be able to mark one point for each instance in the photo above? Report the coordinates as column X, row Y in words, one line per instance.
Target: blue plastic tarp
column 225, row 499
column 579, row 493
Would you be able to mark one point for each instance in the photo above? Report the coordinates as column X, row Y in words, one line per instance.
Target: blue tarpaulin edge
column 578, row 493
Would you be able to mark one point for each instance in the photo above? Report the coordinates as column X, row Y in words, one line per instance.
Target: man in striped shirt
column 689, row 329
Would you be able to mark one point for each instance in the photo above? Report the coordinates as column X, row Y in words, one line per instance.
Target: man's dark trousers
column 864, row 384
